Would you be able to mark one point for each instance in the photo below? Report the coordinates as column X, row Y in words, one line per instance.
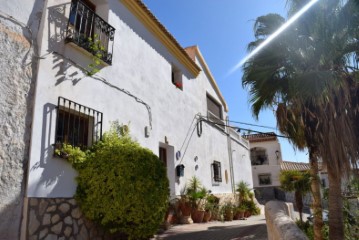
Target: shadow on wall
column 53, row 177
column 11, row 216
column 57, row 27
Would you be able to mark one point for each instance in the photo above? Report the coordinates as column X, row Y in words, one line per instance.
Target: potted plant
column 172, row 213
column 215, row 210
column 239, row 212
column 184, row 206
column 227, row 210
column 243, row 191
column 208, row 211
column 196, row 194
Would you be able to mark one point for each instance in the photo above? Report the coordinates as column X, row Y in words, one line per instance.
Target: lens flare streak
column 274, row 35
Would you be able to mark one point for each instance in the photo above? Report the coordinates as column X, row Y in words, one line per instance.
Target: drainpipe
column 230, row 157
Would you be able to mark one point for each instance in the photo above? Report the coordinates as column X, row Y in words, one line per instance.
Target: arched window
column 259, row 156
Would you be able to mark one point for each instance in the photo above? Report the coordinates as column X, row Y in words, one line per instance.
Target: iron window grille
column 216, row 170
column 84, row 24
column 264, row 179
column 77, row 125
column 259, row 156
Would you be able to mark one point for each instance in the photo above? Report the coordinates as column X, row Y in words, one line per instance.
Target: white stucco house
column 165, row 94
column 266, row 159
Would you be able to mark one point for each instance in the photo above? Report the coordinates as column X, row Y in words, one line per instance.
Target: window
column 264, row 179
column 176, row 77
column 259, row 156
column 216, row 171
column 323, row 183
column 214, row 112
column 84, row 24
column 163, row 156
column 76, row 124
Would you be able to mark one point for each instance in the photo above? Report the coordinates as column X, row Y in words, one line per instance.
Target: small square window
column 77, row 125
column 176, row 77
column 216, row 172
column 264, row 179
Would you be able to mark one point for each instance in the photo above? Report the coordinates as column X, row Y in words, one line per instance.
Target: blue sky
column 222, row 30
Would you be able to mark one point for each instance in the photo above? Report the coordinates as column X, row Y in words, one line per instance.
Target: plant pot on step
column 228, row 215
column 197, row 215
column 239, row 215
column 207, row 216
column 247, row 214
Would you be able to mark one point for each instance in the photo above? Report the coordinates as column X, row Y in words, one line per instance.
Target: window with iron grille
column 77, row 125
column 85, row 27
column 216, row 171
column 264, row 179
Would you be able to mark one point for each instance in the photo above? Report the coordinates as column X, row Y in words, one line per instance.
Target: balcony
column 216, row 120
column 90, row 32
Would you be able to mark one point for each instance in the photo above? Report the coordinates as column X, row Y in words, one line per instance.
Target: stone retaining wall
column 60, row 218
column 16, row 97
column 280, row 225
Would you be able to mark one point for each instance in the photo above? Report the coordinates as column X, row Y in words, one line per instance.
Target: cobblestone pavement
column 253, row 228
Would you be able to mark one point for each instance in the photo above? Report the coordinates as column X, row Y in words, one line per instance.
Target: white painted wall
column 272, row 168
column 142, row 66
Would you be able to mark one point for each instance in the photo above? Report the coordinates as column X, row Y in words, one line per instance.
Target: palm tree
column 312, row 68
column 296, row 181
column 242, row 188
column 290, row 123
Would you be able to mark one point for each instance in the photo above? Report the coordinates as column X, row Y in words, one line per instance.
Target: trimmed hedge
column 123, row 187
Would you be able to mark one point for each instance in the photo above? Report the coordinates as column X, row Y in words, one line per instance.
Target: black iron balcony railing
column 85, row 28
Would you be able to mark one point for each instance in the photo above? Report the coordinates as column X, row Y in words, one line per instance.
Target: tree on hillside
column 312, row 68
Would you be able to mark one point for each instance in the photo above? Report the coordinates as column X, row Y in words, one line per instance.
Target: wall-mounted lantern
column 178, row 155
column 277, row 154
column 180, row 170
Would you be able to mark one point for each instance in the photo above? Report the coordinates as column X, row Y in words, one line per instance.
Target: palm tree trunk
column 317, row 201
column 336, row 224
column 299, row 203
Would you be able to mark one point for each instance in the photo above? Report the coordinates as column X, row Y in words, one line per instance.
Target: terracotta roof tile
column 261, row 137
column 298, row 166
column 191, row 51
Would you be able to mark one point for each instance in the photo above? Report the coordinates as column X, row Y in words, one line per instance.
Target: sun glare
column 273, row 36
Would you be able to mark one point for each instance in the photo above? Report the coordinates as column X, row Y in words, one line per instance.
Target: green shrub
column 74, row 155
column 123, row 187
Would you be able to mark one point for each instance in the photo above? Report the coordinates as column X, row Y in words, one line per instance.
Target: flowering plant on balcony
column 178, row 85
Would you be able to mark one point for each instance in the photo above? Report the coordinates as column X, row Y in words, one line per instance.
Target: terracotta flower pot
column 247, row 214
column 228, row 216
column 197, row 215
column 185, row 208
column 239, row 215
column 207, row 216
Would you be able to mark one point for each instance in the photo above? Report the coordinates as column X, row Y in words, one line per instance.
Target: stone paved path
column 253, row 228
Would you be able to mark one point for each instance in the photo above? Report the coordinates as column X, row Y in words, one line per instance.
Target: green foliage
column 123, row 187
column 196, row 193
column 97, row 49
column 292, row 180
column 243, row 191
column 308, row 229
column 74, row 155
